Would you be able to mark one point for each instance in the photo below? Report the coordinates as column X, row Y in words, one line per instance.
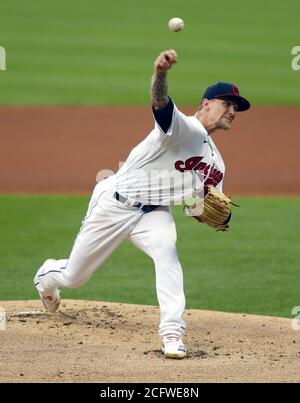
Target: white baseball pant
column 107, row 223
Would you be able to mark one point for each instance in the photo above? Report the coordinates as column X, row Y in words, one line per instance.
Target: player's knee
column 74, row 284
column 164, row 250
column 166, row 237
column 72, row 281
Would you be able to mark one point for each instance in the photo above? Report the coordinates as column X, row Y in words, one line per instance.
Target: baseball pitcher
column 176, row 162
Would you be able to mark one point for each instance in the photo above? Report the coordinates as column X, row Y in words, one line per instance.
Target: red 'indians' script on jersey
column 196, row 164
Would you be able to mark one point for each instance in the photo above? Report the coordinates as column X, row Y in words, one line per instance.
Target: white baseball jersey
column 166, row 167
column 175, row 158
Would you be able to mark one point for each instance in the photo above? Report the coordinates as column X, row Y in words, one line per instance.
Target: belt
column 133, row 203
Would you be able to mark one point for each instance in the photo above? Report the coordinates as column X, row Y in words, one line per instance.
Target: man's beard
column 224, row 125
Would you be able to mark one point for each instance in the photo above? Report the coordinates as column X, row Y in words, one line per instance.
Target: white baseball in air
column 176, row 24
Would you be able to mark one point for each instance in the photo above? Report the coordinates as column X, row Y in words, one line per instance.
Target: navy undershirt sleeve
column 164, row 116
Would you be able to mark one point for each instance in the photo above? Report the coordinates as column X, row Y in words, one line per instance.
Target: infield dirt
column 90, row 341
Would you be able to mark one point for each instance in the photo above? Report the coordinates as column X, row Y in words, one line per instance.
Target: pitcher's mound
column 89, row 341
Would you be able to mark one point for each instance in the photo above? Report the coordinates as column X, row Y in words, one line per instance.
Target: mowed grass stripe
column 113, row 45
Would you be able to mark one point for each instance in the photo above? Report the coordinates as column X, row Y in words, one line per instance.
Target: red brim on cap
column 242, row 103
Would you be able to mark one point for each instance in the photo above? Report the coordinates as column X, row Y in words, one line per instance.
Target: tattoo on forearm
column 159, row 90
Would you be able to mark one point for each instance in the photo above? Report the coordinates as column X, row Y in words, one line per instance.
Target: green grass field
column 101, row 53
column 95, row 52
column 254, row 268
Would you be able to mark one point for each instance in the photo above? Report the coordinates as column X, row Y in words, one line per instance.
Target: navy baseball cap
column 227, row 91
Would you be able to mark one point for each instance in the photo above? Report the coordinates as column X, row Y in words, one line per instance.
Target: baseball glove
column 214, row 210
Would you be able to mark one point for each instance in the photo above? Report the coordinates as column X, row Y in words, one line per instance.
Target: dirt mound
column 89, row 341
